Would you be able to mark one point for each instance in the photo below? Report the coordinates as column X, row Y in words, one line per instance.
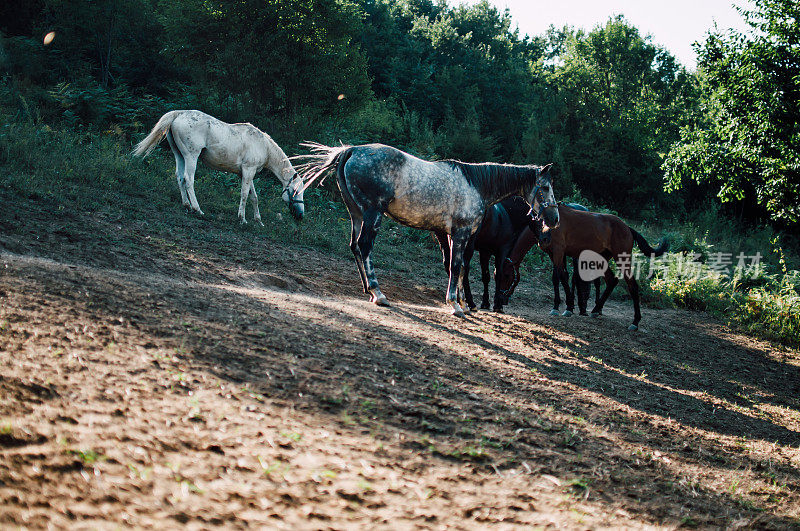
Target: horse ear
column 546, row 169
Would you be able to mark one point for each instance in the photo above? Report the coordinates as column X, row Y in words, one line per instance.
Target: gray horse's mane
column 492, row 179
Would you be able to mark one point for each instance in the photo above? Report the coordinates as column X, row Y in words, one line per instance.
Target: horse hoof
column 381, row 301
column 596, row 314
column 566, row 313
column 260, row 222
column 584, row 314
column 498, row 309
column 473, row 308
column 458, row 313
column 633, row 327
column 484, row 306
column 242, row 221
column 554, row 312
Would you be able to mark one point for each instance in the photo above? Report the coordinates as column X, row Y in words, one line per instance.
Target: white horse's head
column 293, row 191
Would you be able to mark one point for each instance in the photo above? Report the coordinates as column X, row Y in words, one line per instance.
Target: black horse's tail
column 662, row 248
column 322, row 159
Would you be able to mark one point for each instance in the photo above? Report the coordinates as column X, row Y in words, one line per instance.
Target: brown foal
column 579, row 231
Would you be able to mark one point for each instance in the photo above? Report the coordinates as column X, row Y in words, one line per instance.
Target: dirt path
column 149, row 387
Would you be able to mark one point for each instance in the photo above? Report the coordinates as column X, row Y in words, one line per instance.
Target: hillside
column 155, row 367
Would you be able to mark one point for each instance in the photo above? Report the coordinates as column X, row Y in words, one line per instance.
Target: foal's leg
column 596, row 291
column 564, row 276
column 556, row 291
column 469, row 251
column 191, row 168
column 611, row 282
column 248, row 174
column 180, row 168
column 633, row 289
column 581, row 287
column 485, row 278
column 458, row 242
column 499, row 260
column 366, row 239
column 254, row 200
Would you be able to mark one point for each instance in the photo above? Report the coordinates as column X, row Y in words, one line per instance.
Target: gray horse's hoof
column 381, row 301
column 498, row 309
column 596, row 314
column 458, row 313
column 566, row 313
column 633, row 327
column 554, row 312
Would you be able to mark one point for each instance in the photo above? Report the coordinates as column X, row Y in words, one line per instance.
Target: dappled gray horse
column 446, row 196
column 242, row 149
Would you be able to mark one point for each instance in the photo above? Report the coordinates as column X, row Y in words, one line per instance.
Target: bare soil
column 248, row 382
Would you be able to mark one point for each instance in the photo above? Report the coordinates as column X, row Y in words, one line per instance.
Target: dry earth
column 224, row 384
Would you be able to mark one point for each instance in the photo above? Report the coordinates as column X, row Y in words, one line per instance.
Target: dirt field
column 212, row 383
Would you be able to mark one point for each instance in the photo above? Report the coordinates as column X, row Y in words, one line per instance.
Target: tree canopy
column 614, row 111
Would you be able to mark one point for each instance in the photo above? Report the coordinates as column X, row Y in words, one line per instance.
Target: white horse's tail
column 321, row 159
column 158, row 133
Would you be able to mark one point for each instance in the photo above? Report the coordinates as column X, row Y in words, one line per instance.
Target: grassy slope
column 95, row 173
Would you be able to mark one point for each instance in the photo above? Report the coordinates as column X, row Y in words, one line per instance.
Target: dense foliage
column 439, row 80
column 745, row 144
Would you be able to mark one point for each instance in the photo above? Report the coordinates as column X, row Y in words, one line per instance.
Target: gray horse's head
column 293, row 195
column 542, row 200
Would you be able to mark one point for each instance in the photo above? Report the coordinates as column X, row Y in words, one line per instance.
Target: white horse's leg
column 180, row 168
column 254, row 200
column 247, row 183
column 191, row 167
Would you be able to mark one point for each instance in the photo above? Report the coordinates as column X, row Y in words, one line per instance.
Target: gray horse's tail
column 321, row 159
column 156, row 135
column 662, row 248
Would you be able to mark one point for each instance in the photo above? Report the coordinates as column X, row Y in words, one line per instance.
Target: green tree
column 745, row 144
column 613, row 102
column 281, row 55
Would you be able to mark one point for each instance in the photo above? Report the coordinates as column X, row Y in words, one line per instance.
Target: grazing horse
column 579, row 231
column 242, row 149
column 496, row 236
column 446, row 196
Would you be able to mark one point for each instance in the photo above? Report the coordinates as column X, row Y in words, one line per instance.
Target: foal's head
column 542, row 200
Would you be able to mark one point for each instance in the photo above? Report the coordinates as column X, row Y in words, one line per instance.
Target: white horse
column 242, row 149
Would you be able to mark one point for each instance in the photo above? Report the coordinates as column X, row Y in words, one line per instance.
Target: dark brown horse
column 579, row 231
column 499, row 230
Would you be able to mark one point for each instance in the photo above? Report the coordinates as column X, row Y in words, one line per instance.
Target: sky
column 673, row 24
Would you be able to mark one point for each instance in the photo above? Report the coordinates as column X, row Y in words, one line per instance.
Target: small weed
column 6, row 428
column 292, row 435
column 267, row 469
column 141, row 473
column 88, row 456
column 579, row 484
